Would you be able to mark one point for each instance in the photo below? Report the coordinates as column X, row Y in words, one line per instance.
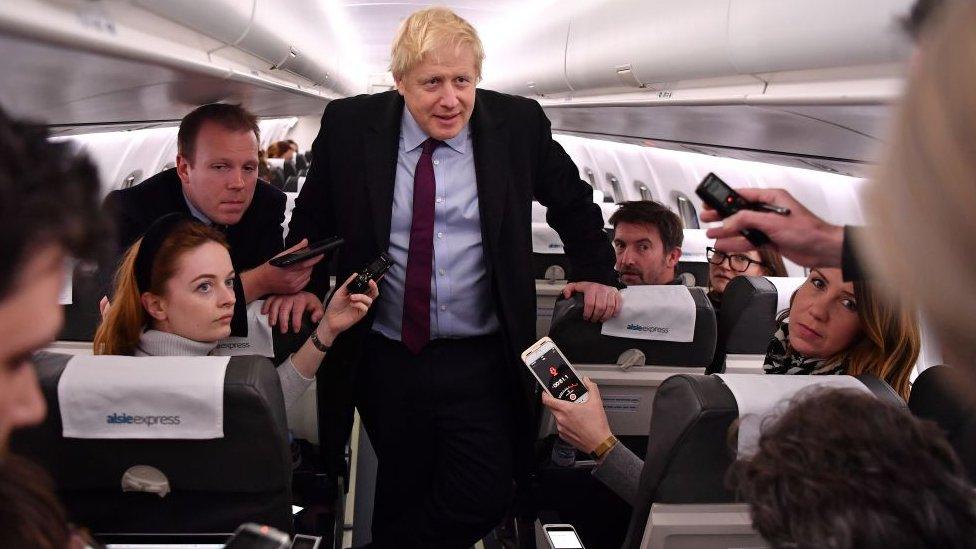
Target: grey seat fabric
column 940, row 394
column 747, row 319
column 216, row 484
column 582, row 342
column 697, row 269
column 689, row 450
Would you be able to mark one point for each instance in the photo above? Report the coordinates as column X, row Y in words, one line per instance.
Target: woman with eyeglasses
column 722, row 268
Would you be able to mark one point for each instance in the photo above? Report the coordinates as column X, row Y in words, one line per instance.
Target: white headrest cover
column 694, row 244
column 276, row 162
column 545, row 239
column 760, row 396
column 785, row 286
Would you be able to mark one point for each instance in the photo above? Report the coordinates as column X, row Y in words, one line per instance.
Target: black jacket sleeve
column 572, row 212
column 312, row 216
column 849, row 264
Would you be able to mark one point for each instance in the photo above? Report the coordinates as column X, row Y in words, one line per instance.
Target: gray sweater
column 620, row 471
column 156, row 343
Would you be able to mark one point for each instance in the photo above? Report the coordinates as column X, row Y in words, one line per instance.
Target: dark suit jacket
column 349, row 193
column 253, row 240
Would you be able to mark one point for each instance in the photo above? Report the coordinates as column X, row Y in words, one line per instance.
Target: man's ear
column 183, row 168
column 399, row 85
column 154, row 305
column 673, row 256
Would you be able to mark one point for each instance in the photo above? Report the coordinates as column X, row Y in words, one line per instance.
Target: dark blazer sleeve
column 128, row 223
column 571, row 211
column 312, row 216
column 270, row 242
column 849, row 264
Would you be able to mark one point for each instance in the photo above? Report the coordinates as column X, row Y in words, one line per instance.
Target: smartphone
column 312, row 250
column 550, row 367
column 717, row 194
column 562, row 536
column 305, row 542
column 373, row 271
column 257, row 536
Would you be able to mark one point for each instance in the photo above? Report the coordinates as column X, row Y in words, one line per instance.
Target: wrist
column 325, row 334
column 834, row 245
column 600, row 451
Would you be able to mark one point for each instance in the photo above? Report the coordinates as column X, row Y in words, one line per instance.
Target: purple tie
column 415, row 330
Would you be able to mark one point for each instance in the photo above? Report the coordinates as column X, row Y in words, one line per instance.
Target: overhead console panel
column 82, row 63
column 810, row 79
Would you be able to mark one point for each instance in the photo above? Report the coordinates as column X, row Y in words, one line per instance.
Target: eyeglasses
column 737, row 262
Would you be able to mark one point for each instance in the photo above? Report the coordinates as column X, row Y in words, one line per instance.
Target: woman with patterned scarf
column 837, row 327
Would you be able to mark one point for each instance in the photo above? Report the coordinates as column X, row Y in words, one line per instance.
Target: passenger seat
column 215, row 484
column 941, row 394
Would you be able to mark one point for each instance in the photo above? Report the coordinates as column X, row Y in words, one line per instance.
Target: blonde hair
column 889, row 344
column 923, row 197
column 427, row 31
column 120, row 330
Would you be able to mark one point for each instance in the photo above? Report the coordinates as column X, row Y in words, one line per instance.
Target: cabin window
column 132, row 179
column 644, row 190
column 590, row 177
column 618, row 192
column 686, row 209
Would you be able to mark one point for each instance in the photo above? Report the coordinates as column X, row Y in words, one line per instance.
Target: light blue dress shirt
column 460, row 296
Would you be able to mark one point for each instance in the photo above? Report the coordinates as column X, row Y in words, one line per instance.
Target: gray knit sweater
column 157, row 343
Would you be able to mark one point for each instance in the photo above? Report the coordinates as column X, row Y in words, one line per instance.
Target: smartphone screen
column 556, row 375
column 563, row 538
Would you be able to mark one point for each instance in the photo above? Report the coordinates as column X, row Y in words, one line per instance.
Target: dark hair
column 655, row 214
column 30, row 515
column 919, row 16
column 231, row 117
column 48, row 194
column 772, row 262
column 278, row 149
column 841, row 469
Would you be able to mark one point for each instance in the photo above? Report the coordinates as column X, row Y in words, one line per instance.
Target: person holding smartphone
column 175, row 297
column 216, row 181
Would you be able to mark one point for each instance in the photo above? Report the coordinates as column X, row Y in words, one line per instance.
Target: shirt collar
column 195, row 212
column 413, row 136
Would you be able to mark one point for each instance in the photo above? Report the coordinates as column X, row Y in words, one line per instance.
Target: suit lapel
column 492, row 168
column 382, row 144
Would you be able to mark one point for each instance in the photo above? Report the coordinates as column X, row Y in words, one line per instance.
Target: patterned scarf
column 781, row 360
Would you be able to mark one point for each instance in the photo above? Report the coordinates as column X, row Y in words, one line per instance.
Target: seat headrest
column 582, row 342
column 747, row 318
column 538, row 212
column 944, row 395
column 253, row 411
column 689, row 450
column 785, row 286
column 545, row 240
column 276, row 163
column 694, row 244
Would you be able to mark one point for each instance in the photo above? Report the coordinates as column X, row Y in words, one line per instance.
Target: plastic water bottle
column 563, row 453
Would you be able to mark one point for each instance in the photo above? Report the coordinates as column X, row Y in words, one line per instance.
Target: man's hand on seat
column 268, row 279
column 801, row 236
column 285, row 309
column 584, row 425
column 600, row 303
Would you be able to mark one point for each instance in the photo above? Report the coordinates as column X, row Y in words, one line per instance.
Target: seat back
column 942, row 394
column 216, row 485
column 628, row 394
column 693, row 260
column 688, row 456
column 747, row 318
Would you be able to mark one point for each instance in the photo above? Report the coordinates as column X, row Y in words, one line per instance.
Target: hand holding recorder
column 800, row 236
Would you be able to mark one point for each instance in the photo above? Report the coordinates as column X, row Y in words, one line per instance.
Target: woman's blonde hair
column 922, row 230
column 889, row 344
column 427, row 31
column 120, row 330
